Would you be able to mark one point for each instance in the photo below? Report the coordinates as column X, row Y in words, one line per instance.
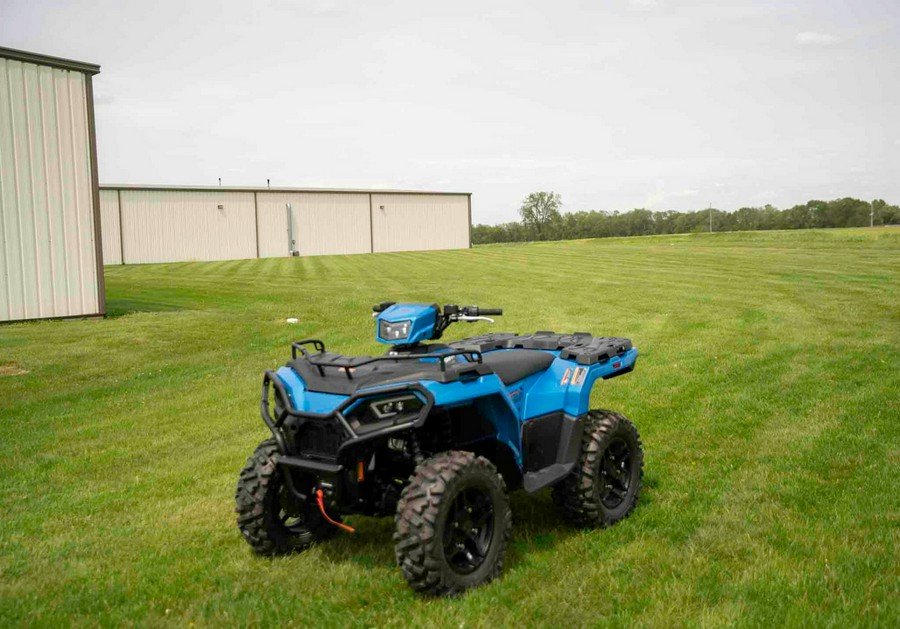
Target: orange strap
column 320, row 498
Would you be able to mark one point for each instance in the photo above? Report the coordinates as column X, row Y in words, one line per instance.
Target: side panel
column 109, row 221
column 183, row 225
column 540, row 441
column 554, row 441
column 323, row 223
column 490, row 398
column 418, row 222
column 49, row 256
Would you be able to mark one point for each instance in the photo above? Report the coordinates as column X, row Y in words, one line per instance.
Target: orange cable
column 320, row 499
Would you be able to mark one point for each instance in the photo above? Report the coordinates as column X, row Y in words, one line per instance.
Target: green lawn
column 767, row 394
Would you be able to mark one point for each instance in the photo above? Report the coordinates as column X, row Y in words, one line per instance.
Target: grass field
column 767, row 394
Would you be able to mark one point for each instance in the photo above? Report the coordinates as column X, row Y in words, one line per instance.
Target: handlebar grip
column 490, row 311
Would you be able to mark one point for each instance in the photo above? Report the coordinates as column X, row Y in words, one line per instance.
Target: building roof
column 111, row 186
column 46, row 60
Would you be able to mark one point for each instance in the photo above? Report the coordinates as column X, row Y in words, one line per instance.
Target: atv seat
column 514, row 364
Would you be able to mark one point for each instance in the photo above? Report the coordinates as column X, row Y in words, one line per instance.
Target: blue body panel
column 564, row 386
column 307, row 401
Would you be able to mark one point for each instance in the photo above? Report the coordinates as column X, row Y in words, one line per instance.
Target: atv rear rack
column 583, row 348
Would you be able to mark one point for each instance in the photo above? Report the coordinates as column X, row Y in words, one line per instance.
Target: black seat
column 514, row 364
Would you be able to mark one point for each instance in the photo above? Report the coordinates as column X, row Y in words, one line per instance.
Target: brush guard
column 329, row 474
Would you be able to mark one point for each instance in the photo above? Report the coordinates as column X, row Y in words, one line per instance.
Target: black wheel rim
column 615, row 473
column 469, row 530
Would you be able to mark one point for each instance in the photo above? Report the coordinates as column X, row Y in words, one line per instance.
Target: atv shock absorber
column 416, row 450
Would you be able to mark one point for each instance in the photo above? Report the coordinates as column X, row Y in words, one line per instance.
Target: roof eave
column 47, row 60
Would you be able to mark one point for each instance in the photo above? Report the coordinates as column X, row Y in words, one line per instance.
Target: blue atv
column 435, row 434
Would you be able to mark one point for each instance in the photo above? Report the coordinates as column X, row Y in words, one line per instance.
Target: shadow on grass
column 121, row 307
column 538, row 525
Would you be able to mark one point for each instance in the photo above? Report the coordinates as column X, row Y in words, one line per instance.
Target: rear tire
column 604, row 486
column 453, row 524
column 264, row 515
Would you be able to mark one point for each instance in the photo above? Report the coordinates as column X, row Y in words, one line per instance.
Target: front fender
column 490, row 398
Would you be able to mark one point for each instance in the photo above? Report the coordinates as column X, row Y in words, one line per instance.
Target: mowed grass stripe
column 765, row 393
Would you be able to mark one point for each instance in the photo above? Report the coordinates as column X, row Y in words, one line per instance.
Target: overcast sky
column 615, row 105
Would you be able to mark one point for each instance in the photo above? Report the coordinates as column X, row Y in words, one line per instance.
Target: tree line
column 543, row 220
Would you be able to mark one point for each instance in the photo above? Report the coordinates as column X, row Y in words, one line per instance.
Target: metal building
column 51, row 261
column 144, row 224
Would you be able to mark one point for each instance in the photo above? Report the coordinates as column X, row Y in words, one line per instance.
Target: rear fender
column 567, row 386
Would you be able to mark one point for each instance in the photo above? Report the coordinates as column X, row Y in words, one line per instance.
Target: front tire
column 604, row 486
column 265, row 516
column 453, row 524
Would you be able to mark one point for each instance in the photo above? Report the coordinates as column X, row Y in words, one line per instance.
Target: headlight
column 384, row 412
column 387, row 409
column 393, row 331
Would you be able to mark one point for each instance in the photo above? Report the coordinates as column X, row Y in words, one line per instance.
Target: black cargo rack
column 583, row 348
column 348, row 364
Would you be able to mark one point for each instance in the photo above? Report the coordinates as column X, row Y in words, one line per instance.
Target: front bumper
column 318, row 447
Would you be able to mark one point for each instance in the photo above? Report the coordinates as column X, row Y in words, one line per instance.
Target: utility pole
column 710, row 218
column 871, row 215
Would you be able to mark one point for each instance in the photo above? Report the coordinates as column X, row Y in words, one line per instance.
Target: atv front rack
column 349, row 364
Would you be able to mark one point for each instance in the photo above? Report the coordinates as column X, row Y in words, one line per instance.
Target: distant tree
column 540, row 213
column 799, row 217
column 747, row 218
column 846, row 212
column 885, row 214
column 638, row 222
column 541, row 220
column 890, row 215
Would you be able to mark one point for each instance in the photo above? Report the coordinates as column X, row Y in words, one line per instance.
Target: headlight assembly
column 384, row 412
column 393, row 330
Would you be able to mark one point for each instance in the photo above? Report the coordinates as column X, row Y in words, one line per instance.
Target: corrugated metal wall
column 171, row 225
column 413, row 222
column 180, row 225
column 112, row 230
column 49, row 259
column 323, row 223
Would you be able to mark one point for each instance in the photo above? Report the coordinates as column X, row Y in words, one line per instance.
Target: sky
column 614, row 105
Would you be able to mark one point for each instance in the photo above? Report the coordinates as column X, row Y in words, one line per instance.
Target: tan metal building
column 143, row 224
column 51, row 262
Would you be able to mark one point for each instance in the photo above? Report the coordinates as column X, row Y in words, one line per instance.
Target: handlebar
column 470, row 311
